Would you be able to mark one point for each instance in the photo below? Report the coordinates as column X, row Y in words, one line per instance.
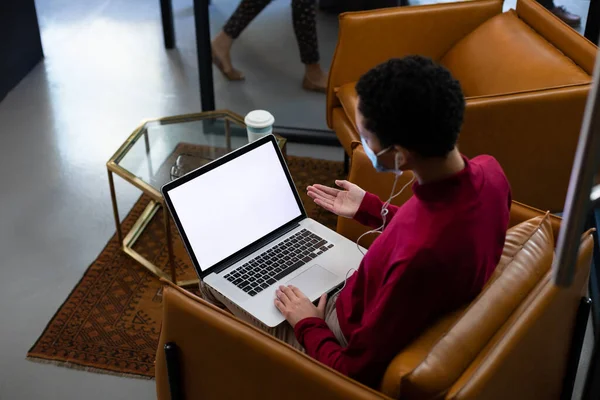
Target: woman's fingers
column 322, row 199
column 279, row 305
column 326, row 206
column 344, row 184
column 297, row 291
column 280, row 294
column 315, row 196
column 326, row 189
column 287, row 291
column 322, row 194
column 319, row 199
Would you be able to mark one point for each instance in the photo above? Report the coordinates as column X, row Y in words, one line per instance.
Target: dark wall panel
column 20, row 44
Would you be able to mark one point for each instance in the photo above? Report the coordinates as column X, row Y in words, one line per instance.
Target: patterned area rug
column 111, row 321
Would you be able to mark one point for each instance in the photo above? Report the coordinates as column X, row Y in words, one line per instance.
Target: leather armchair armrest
column 533, row 135
column 364, row 175
column 414, row 353
column 369, row 38
column 520, row 212
column 221, row 357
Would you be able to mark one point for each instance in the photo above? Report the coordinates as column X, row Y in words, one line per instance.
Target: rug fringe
column 70, row 365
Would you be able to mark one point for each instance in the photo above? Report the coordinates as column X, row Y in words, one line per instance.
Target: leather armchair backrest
column 504, row 55
column 527, row 358
column 564, row 38
column 368, row 38
column 527, row 259
column 222, row 357
column 533, row 135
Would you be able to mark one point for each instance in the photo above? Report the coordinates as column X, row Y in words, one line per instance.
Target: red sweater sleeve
column 369, row 212
column 397, row 315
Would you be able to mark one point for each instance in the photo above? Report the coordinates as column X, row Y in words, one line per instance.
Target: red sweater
column 435, row 254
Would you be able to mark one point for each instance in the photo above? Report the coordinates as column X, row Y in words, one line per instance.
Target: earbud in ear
column 399, row 160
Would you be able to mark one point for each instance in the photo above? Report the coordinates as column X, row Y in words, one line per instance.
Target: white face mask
column 375, row 158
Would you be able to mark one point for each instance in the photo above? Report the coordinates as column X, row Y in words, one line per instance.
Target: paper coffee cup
column 259, row 123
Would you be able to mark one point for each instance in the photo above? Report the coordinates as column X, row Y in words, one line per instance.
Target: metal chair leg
column 203, row 50
column 168, row 25
column 174, row 371
column 592, row 26
column 576, row 345
column 346, row 163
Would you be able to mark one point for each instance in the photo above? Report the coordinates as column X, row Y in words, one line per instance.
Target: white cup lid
column 259, row 119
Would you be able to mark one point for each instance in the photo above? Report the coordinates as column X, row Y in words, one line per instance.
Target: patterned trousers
column 304, row 17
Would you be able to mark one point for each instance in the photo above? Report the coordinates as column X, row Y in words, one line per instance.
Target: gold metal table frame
column 157, row 200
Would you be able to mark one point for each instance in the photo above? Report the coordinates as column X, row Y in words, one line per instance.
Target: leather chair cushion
column 505, row 55
column 527, row 258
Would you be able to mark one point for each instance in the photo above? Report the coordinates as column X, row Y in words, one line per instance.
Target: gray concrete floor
column 105, row 70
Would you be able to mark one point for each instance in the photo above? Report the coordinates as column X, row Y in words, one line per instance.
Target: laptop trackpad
column 314, row 281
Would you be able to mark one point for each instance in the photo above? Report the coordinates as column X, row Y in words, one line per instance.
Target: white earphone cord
column 345, row 281
column 384, row 213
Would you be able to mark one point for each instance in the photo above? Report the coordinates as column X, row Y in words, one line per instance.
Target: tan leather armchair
column 525, row 75
column 510, row 342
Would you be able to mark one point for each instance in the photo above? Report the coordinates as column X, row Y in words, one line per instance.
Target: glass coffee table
column 164, row 149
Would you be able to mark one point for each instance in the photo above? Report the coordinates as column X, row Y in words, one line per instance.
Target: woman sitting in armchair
column 433, row 254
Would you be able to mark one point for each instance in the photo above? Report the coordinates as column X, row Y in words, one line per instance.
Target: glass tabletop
column 164, row 149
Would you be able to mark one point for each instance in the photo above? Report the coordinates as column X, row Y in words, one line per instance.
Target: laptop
column 246, row 231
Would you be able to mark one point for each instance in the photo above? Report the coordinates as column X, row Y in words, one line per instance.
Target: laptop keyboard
column 266, row 269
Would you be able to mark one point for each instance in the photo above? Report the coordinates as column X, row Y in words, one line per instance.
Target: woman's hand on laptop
column 295, row 306
column 344, row 203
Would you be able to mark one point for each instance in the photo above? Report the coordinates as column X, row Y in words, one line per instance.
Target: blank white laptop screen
column 237, row 203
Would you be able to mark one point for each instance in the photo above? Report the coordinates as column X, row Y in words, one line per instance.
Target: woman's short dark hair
column 414, row 103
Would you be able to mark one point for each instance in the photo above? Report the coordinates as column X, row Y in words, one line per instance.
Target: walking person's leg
column 304, row 18
column 246, row 11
